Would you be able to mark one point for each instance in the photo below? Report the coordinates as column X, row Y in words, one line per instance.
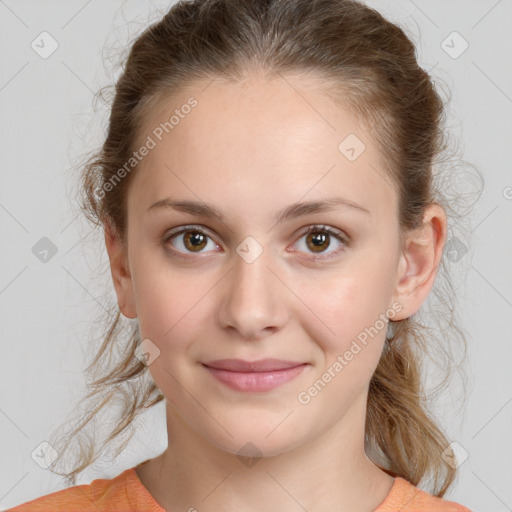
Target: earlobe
column 120, row 272
column 419, row 261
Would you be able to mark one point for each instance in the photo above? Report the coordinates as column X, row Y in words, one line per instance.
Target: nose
column 254, row 302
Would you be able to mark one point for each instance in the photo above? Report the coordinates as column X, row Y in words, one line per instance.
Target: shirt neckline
column 392, row 498
column 136, row 482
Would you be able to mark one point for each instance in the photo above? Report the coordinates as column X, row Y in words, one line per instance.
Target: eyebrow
column 295, row 210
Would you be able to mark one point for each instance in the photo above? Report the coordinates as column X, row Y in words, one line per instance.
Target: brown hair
column 369, row 65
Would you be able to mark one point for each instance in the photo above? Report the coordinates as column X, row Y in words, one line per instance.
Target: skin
column 251, row 149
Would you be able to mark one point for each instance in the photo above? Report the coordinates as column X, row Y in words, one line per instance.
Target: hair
column 368, row 64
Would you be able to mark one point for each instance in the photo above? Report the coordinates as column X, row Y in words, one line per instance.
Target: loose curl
column 366, row 63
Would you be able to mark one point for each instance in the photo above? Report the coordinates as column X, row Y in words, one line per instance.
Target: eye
column 194, row 241
column 318, row 239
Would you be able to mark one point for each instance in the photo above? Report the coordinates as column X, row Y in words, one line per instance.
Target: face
column 254, row 284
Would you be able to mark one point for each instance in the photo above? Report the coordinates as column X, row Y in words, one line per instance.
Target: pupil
column 197, row 238
column 317, row 237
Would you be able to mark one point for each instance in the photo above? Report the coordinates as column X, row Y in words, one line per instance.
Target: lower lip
column 256, row 381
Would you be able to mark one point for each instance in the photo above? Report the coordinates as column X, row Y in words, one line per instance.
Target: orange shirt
column 126, row 493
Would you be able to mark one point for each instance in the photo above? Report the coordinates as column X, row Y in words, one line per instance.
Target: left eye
column 317, row 240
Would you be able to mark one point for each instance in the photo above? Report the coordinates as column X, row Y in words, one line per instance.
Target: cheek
column 164, row 297
column 351, row 307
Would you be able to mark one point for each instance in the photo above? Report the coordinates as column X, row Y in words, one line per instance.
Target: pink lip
column 263, row 365
column 260, row 375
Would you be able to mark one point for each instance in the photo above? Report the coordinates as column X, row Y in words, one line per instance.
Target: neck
column 192, row 473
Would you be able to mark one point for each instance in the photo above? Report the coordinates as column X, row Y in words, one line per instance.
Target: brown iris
column 194, row 240
column 318, row 238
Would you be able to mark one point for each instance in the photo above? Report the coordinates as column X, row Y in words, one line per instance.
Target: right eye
column 193, row 241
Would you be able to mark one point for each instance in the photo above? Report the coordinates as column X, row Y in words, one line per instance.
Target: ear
column 120, row 272
column 419, row 261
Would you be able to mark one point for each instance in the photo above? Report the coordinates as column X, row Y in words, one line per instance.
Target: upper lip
column 262, row 365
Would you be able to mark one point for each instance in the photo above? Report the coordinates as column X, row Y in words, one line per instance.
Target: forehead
column 280, row 139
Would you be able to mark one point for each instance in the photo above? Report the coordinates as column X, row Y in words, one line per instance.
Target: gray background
column 46, row 308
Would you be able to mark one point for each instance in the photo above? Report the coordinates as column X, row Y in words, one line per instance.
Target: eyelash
column 316, row 228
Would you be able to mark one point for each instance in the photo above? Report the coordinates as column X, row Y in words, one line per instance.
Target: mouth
column 254, row 376
column 262, row 365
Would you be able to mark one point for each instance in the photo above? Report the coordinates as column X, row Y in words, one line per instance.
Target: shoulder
column 406, row 496
column 100, row 494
